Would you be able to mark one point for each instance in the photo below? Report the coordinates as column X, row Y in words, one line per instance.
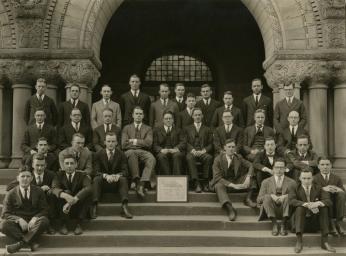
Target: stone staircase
column 199, row 227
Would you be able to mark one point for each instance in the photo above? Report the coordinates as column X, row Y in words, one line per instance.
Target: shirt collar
column 108, row 151
column 306, row 188
column 76, row 101
column 197, row 125
column 38, row 96
column 207, row 101
column 277, row 177
column 181, row 99
column 166, row 127
column 230, row 126
column 133, row 92
column 37, row 124
column 258, row 95
column 71, row 173
column 104, row 101
column 139, row 125
column 230, row 106
column 23, row 192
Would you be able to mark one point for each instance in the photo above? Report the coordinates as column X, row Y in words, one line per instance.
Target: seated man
column 52, row 162
column 302, row 157
column 99, row 133
column 81, row 154
column 111, row 174
column 273, row 197
column 137, row 140
column 333, row 184
column 232, row 172
column 227, row 130
column 73, row 190
column 184, row 118
column 199, row 146
column 254, row 136
column 169, row 146
column 24, row 214
column 75, row 126
column 37, row 130
column 310, row 205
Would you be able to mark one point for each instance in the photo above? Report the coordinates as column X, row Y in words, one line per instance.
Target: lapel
column 18, row 195
column 284, row 185
column 104, row 159
column 236, row 165
column 273, row 185
column 224, row 164
column 302, row 193
column 252, row 133
column 253, row 102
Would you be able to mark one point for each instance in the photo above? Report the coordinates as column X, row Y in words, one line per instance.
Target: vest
column 168, row 140
column 230, row 175
column 258, row 141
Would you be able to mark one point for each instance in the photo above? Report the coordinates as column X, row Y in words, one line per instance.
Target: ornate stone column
column 3, row 159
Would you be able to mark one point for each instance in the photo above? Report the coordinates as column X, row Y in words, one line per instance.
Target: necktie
column 73, row 103
column 256, row 100
column 259, row 129
column 279, row 182
column 69, row 179
column 77, row 156
column 307, row 193
column 227, row 130
column 40, row 127
column 207, row 102
column 39, row 180
column 198, row 127
column 228, row 107
column 40, row 99
column 76, row 125
column 326, row 178
column 137, row 132
column 292, row 131
column 168, row 131
column 26, row 196
column 108, row 129
column 111, row 155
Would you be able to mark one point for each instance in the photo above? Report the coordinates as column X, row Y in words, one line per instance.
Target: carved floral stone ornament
column 29, row 8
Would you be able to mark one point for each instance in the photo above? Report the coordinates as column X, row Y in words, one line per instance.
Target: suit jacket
column 81, row 185
column 181, row 106
column 297, row 196
column 269, row 187
column 208, row 110
column 285, row 138
column 84, row 164
column 144, row 142
column 333, row 180
column 13, row 204
column 157, row 109
column 237, row 117
column 52, row 161
column 99, row 136
column 241, row 169
column 249, row 136
column 65, row 109
column 183, row 119
column 236, row 133
column 282, row 110
column 66, row 133
column 177, row 139
column 261, row 160
column 97, row 113
column 49, row 108
column 205, row 134
column 117, row 166
column 32, row 134
column 249, row 108
column 297, row 163
column 128, row 102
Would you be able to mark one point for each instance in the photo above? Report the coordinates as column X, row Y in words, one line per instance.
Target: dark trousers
column 275, row 210
column 77, row 213
column 101, row 185
column 170, row 164
column 222, row 192
column 304, row 220
column 337, row 210
column 14, row 233
column 206, row 161
column 134, row 156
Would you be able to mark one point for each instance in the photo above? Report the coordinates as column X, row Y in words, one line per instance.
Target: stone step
column 181, row 251
column 149, row 238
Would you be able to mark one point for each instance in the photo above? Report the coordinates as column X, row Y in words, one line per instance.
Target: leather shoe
column 125, row 212
column 299, row 247
column 339, row 228
column 12, row 248
column 78, row 230
column 63, row 230
column 140, row 191
column 332, row 228
column 283, row 230
column 326, row 246
column 232, row 213
column 34, row 246
column 198, row 188
column 205, row 188
column 93, row 211
column 51, row 230
column 250, row 203
column 275, row 230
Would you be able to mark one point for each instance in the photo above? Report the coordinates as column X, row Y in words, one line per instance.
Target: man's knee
column 267, row 199
column 130, row 153
column 97, row 179
column 6, row 225
column 219, row 186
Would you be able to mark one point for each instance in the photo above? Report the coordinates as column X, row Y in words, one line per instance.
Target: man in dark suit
column 207, row 104
column 287, row 138
column 43, row 101
column 231, row 172
column 199, row 147
column 133, row 98
column 163, row 104
column 255, row 135
column 285, row 106
column 73, row 190
column 227, row 130
column 37, row 130
column 24, row 214
column 179, row 90
column 66, row 107
column 310, row 205
column 257, row 101
column 169, row 146
column 273, row 197
column 99, row 133
column 302, row 157
column 332, row 184
column 184, row 118
column 237, row 115
column 136, row 141
column 111, row 174
column 75, row 126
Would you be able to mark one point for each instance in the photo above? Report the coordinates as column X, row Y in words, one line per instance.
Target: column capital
column 48, row 70
column 18, row 71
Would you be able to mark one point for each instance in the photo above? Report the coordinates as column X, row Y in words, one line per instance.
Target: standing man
column 134, row 98
column 136, row 141
column 40, row 100
column 24, row 214
column 105, row 102
column 163, row 104
column 332, row 184
column 285, row 106
column 257, row 101
column 199, row 147
column 255, row 135
column 232, row 172
column 184, row 118
column 237, row 115
column 273, row 198
column 310, row 204
column 207, row 104
column 179, row 90
column 169, row 146
column 66, row 107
